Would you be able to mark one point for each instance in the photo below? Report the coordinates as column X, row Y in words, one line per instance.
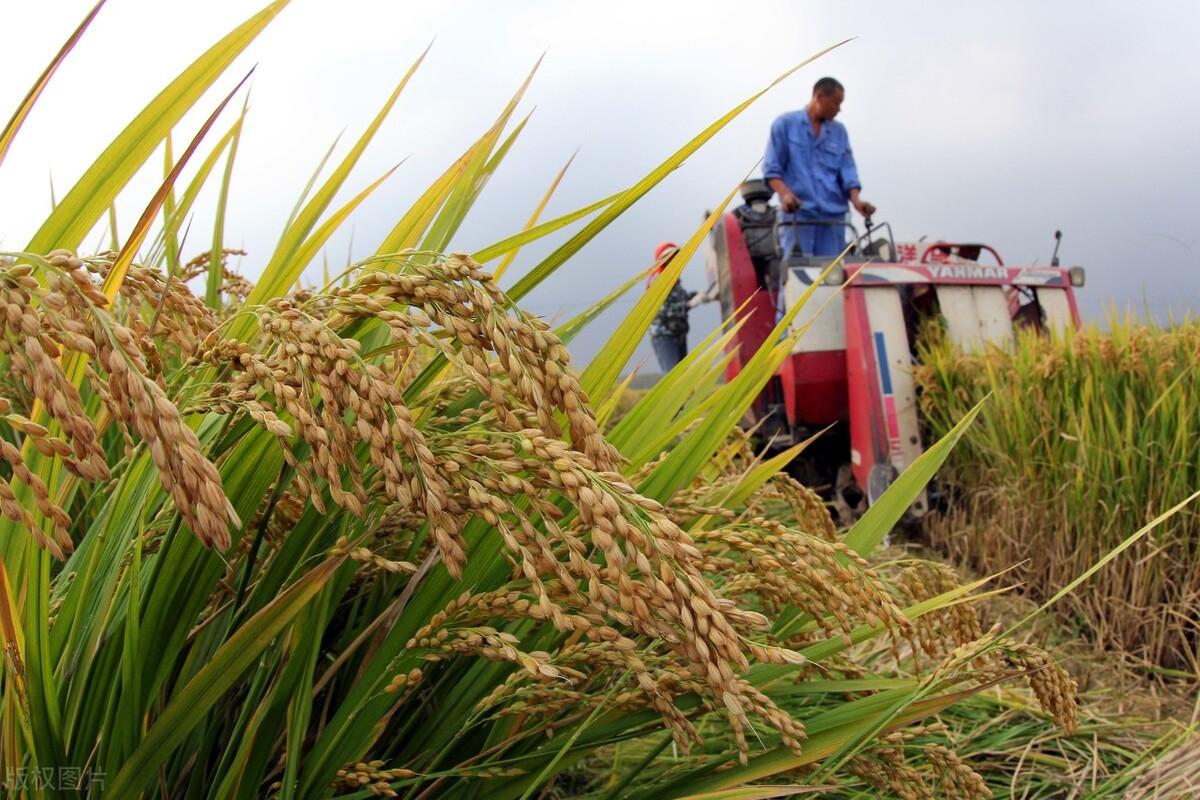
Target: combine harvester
column 852, row 370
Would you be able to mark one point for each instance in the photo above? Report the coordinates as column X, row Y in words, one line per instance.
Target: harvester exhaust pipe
column 1057, row 242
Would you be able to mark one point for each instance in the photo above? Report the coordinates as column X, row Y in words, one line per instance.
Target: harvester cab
column 851, row 371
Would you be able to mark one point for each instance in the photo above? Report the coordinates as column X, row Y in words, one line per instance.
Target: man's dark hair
column 827, row 85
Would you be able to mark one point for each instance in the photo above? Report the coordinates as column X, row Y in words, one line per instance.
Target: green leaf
column 19, row 116
column 663, row 412
column 84, row 204
column 167, row 241
column 189, row 704
column 729, row 403
column 883, row 515
column 408, row 230
column 114, row 239
column 212, row 293
column 308, row 251
column 476, row 172
column 467, row 189
column 167, row 235
column 760, row 473
column 570, row 329
column 516, row 241
column 761, row 792
column 605, row 368
column 116, row 275
column 285, row 265
column 819, row 745
column 639, row 189
column 533, row 218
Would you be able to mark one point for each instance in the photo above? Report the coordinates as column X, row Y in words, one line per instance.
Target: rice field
column 1084, row 439
column 377, row 534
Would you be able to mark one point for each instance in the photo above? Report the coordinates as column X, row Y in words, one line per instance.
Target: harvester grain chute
column 852, row 370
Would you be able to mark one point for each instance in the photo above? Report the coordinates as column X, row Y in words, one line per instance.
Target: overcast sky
column 996, row 121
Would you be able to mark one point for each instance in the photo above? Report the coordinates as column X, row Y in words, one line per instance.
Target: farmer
column 668, row 331
column 810, row 166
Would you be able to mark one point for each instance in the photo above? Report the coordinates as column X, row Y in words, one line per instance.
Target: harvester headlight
column 837, row 276
column 1076, row 275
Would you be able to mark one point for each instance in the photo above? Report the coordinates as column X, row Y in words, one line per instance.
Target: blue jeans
column 815, row 240
column 670, row 349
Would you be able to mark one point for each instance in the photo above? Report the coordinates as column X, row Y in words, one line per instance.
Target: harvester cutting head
column 852, row 368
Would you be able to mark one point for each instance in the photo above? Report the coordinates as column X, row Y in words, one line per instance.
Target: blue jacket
column 820, row 171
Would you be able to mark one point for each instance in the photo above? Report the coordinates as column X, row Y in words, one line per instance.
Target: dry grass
column 1174, row 776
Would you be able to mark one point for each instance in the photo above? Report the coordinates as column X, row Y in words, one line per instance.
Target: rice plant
column 1086, row 436
column 381, row 537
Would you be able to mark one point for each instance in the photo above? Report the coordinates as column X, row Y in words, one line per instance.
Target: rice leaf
column 83, row 205
column 26, row 106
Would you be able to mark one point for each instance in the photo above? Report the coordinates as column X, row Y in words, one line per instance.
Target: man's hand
column 787, row 198
column 863, row 207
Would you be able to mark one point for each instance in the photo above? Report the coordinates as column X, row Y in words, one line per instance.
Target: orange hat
column 661, row 254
